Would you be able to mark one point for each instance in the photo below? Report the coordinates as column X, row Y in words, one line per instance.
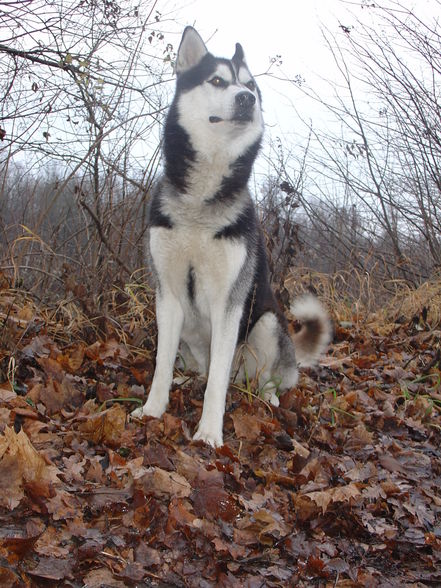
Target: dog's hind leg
column 225, row 328
column 169, row 317
column 268, row 357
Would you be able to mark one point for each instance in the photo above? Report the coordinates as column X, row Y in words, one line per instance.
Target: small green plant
column 411, row 397
column 336, row 410
column 270, row 388
column 246, row 387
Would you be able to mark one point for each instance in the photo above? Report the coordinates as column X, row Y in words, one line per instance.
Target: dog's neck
column 209, row 166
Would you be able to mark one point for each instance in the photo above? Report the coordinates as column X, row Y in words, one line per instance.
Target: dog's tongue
column 214, row 119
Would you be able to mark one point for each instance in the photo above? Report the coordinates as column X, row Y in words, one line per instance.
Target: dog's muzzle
column 244, row 107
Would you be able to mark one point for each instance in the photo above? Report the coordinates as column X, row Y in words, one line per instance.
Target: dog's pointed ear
column 191, row 50
column 239, row 55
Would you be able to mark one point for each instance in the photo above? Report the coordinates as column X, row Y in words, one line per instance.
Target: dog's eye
column 218, row 82
column 251, row 85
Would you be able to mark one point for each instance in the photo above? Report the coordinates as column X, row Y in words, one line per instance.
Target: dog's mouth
column 243, row 116
column 240, row 117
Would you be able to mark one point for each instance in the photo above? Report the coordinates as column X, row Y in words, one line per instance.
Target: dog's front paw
column 152, row 409
column 209, row 436
column 137, row 413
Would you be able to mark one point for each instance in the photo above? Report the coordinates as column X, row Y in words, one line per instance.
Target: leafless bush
column 82, row 95
column 371, row 192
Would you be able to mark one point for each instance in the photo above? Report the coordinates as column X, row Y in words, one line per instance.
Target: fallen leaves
column 105, row 426
column 162, row 484
column 210, row 499
column 340, row 494
column 22, row 468
column 52, row 568
column 340, row 485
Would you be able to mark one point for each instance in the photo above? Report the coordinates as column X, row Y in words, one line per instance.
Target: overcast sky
column 287, row 27
column 292, row 29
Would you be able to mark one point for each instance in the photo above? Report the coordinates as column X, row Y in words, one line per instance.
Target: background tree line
column 84, row 86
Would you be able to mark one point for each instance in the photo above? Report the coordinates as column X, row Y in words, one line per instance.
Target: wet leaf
column 106, row 426
column 162, row 483
column 51, row 568
column 21, row 464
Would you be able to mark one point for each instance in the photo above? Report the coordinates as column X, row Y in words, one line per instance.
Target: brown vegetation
column 337, row 487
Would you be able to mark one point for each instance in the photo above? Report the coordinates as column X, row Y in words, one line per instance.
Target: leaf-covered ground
column 340, row 486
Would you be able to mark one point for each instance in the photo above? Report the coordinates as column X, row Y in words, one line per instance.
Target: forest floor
column 339, row 486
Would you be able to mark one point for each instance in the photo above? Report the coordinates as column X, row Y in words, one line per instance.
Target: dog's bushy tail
column 316, row 330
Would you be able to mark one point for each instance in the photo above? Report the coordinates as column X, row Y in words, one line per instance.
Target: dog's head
column 216, row 97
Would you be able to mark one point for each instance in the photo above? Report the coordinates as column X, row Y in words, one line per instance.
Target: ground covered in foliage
column 339, row 486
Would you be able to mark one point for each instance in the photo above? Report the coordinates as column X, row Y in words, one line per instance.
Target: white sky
column 290, row 28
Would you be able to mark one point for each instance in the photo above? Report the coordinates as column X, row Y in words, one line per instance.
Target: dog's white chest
column 192, row 263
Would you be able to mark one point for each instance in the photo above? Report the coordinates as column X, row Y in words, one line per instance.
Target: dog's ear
column 191, row 50
column 239, row 55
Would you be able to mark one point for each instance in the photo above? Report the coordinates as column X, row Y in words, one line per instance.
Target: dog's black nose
column 245, row 100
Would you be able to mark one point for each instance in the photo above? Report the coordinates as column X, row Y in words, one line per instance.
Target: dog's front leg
column 169, row 318
column 225, row 328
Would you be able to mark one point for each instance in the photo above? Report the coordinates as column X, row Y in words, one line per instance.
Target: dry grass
column 410, row 302
column 349, row 296
column 359, row 299
column 129, row 313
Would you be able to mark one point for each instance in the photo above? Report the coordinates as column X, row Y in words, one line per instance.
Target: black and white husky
column 208, row 250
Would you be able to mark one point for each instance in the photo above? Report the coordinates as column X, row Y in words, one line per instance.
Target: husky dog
column 208, row 249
